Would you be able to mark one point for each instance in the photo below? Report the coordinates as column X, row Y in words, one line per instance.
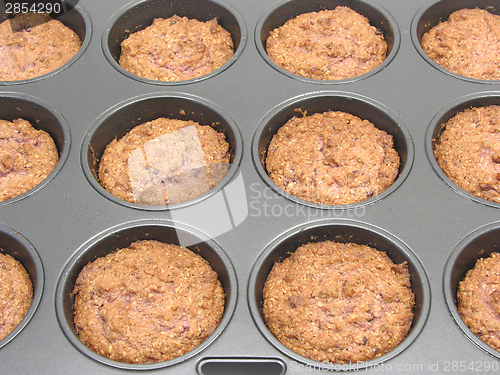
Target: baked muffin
column 339, row 303
column 164, row 161
column 468, row 151
column 33, row 44
column 176, row 49
column 468, row 44
column 479, row 300
column 332, row 158
column 147, row 303
column 16, row 294
column 327, row 45
column 27, row 156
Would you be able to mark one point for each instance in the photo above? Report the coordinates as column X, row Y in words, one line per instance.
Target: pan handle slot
column 241, row 366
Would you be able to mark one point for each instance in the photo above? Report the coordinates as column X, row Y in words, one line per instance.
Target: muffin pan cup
column 479, row 244
column 246, row 223
column 437, row 126
column 344, row 232
column 41, row 116
column 123, row 117
column 77, row 20
column 430, row 16
column 16, row 245
column 365, row 108
column 138, row 15
column 277, row 15
column 121, row 237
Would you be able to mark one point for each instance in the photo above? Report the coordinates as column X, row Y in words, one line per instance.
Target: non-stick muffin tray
column 245, row 224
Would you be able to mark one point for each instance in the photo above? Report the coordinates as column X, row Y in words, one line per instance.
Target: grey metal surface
column 424, row 212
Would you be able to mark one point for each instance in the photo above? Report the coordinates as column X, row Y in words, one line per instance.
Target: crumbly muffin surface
column 27, row 52
column 332, row 158
column 479, row 300
column 147, row 303
column 327, row 45
column 468, row 151
column 164, row 161
column 338, row 303
column 468, row 43
column 176, row 49
column 27, row 156
column 16, row 294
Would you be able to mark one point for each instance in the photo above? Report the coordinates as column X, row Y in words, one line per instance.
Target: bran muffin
column 468, row 151
column 479, row 300
column 176, row 49
column 16, row 294
column 332, row 158
column 28, row 51
column 468, row 44
column 27, row 156
column 164, row 161
column 327, row 45
column 338, row 302
column 147, row 303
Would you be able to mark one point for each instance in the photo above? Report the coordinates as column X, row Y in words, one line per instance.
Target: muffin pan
column 245, row 223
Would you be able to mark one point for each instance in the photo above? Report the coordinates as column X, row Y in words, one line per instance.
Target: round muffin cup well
column 345, row 231
column 122, row 236
column 42, row 116
column 78, row 21
column 286, row 10
column 16, row 245
column 436, row 127
column 428, row 17
column 319, row 102
column 478, row 244
column 120, row 119
column 139, row 15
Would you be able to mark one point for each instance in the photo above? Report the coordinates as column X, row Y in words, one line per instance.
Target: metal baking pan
column 246, row 223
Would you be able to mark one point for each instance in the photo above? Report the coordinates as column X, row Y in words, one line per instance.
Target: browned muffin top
column 27, row 156
column 479, row 300
column 27, row 52
column 327, row 45
column 176, row 48
column 332, row 158
column 468, row 151
column 147, row 303
column 16, row 294
column 339, row 303
column 164, row 161
column 468, row 43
